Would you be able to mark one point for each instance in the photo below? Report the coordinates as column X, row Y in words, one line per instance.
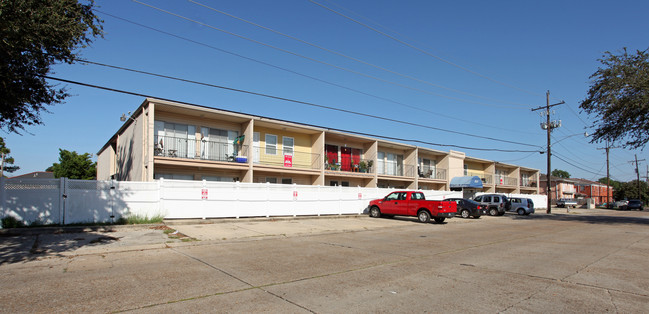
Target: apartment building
column 578, row 189
column 164, row 139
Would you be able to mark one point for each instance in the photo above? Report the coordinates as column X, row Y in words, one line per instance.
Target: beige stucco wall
column 129, row 153
column 106, row 163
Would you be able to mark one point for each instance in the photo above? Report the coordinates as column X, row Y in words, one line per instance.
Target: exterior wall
column 132, row 154
column 129, row 153
column 106, row 163
column 302, row 144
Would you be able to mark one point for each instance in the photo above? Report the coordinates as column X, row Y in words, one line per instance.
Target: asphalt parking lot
column 582, row 261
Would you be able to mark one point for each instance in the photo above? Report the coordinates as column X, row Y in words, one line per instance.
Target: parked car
column 634, row 204
column 412, row 203
column 523, row 206
column 468, row 208
column 496, row 204
column 567, row 202
column 621, row 204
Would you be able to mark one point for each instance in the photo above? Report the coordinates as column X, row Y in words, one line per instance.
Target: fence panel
column 32, row 200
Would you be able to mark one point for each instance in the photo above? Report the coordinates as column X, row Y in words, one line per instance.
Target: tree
column 36, row 34
column 560, row 173
column 619, row 99
column 629, row 190
column 74, row 166
column 8, row 165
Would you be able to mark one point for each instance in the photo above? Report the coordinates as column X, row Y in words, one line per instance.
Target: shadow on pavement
column 580, row 216
column 30, row 244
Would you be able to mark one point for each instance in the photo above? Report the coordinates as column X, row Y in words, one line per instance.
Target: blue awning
column 473, row 182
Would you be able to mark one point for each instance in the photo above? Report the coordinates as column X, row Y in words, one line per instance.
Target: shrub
column 12, row 222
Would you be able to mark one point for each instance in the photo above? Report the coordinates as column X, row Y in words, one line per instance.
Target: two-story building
column 164, row 139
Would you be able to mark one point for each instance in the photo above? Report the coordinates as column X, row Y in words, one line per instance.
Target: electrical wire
column 349, row 57
column 424, row 51
column 294, row 101
column 300, row 74
column 577, row 166
column 322, row 62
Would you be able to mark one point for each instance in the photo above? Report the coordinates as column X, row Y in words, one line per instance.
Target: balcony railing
column 351, row 165
column 528, row 182
column 398, row 170
column 178, row 147
column 295, row 159
column 486, row 178
column 502, row 180
column 431, row 173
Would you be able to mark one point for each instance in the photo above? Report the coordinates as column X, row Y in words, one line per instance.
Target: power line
column 576, row 166
column 300, row 102
column 309, row 104
column 320, row 61
column 349, row 57
column 296, row 73
column 424, row 51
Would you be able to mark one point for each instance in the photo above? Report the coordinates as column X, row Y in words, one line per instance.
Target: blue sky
column 475, row 67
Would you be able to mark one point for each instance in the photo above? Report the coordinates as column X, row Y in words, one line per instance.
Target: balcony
column 351, row 165
column 486, row 178
column 393, row 169
column 298, row 160
column 502, row 180
column 177, row 147
column 528, row 182
column 431, row 173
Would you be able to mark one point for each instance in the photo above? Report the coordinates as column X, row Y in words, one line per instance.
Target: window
column 392, row 196
column 466, row 170
column 271, row 180
column 418, row 196
column 287, row 145
column 333, row 183
column 344, row 183
column 271, row 144
column 171, row 176
column 287, row 181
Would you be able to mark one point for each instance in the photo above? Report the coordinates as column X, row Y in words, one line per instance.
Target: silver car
column 523, row 206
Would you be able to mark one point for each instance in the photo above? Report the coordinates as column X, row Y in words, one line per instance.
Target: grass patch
column 140, row 220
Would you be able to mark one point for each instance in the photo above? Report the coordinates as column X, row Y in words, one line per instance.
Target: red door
column 332, row 154
column 345, row 159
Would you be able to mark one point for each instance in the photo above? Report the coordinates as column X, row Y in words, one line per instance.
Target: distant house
column 36, row 175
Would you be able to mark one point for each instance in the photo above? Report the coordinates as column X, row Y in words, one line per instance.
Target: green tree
column 34, row 35
column 629, row 190
column 619, row 99
column 8, row 160
column 74, row 166
column 560, row 173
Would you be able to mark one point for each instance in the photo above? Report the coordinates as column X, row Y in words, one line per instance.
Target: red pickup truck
column 411, row 203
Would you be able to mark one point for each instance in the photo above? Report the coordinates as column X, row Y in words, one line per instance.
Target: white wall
column 63, row 201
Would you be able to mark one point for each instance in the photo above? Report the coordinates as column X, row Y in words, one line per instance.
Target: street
column 582, row 261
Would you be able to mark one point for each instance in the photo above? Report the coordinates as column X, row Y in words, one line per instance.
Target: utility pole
column 608, row 177
column 637, row 172
column 549, row 125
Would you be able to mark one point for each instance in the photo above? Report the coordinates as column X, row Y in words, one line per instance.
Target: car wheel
column 465, row 213
column 440, row 220
column 493, row 212
column 375, row 212
column 423, row 216
column 521, row 211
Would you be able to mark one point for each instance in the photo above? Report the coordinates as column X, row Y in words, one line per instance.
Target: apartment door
column 345, row 159
column 332, row 153
column 255, row 147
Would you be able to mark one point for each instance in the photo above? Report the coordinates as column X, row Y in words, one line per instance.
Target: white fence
column 64, row 201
